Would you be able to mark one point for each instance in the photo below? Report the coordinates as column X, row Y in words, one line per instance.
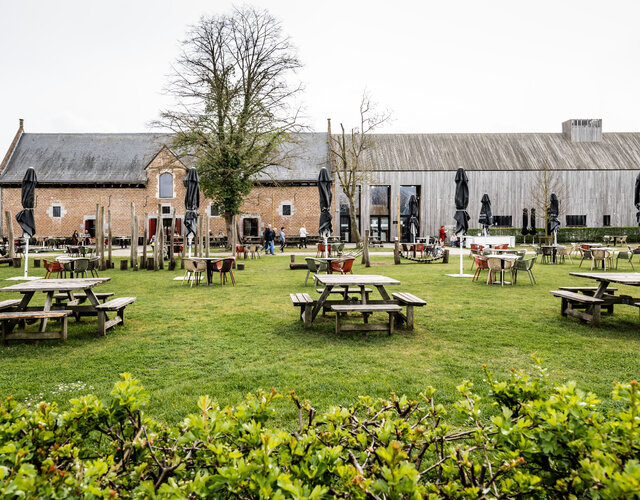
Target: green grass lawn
column 228, row 341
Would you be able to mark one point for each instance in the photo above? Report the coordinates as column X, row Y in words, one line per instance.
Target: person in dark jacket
column 269, row 237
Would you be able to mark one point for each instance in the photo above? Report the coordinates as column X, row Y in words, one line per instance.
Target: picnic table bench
column 116, row 305
column 10, row 318
column 409, row 301
column 573, row 300
column 305, row 303
column 341, row 311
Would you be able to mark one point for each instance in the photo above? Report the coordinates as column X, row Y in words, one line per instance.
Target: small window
column 502, row 220
column 214, row 210
column 577, row 220
column 57, row 211
column 165, row 189
column 606, row 220
column 286, row 209
column 166, row 210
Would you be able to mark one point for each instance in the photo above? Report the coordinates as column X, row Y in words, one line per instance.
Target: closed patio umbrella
column 191, row 204
column 533, row 231
column 324, row 190
column 25, row 216
column 525, row 222
column 554, row 212
column 636, row 199
column 414, row 224
column 486, row 218
column 461, row 216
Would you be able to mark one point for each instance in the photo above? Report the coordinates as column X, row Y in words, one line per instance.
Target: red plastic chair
column 53, row 267
column 342, row 266
column 481, row 263
column 224, row 267
column 321, row 250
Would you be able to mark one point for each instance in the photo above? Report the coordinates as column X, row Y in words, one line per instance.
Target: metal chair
column 193, row 271
column 226, row 267
column 481, row 264
column 524, row 265
column 93, row 267
column 585, row 254
column 599, row 255
column 342, row 266
column 314, row 266
column 53, row 267
column 80, row 267
column 547, row 255
column 625, row 255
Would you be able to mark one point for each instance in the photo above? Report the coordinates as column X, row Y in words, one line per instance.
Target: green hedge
column 546, row 441
column 569, row 234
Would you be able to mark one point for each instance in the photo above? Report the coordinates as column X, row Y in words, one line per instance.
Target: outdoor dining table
column 211, row 266
column 592, row 313
column 329, row 260
column 352, row 280
column 50, row 287
column 503, row 258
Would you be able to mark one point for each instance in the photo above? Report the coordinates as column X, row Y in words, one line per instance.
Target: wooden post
column 109, row 260
column 134, row 244
column 102, row 264
column 160, row 238
column 207, row 239
column 396, row 252
column 133, row 258
column 156, row 246
column 12, row 248
column 365, row 250
column 172, row 260
column 145, row 238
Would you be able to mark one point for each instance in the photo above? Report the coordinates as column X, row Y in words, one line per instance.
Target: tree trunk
column 110, row 254
column 365, row 250
column 12, row 248
column 207, row 241
column 145, row 239
column 172, row 261
column 396, row 252
column 355, row 233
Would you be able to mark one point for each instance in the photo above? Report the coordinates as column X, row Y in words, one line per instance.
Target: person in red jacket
column 443, row 235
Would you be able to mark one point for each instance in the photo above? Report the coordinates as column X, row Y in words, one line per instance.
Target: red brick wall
column 263, row 203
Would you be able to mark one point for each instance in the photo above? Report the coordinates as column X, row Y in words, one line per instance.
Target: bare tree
column 234, row 102
column 545, row 183
column 348, row 150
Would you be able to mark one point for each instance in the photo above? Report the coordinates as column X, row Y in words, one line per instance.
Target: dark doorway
column 249, row 227
column 380, row 227
column 90, row 227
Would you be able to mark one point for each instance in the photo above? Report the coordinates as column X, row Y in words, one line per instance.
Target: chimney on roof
column 583, row 130
column 21, row 124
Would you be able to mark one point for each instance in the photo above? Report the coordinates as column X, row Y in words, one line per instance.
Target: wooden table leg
column 323, row 298
column 47, row 308
column 383, row 292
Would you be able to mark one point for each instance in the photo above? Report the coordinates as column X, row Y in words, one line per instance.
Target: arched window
column 166, row 185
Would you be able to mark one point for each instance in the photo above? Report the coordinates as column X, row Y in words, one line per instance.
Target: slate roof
column 616, row 151
column 84, row 158
column 122, row 158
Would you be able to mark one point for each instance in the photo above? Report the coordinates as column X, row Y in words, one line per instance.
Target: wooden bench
column 6, row 260
column 590, row 290
column 572, row 299
column 9, row 304
column 81, row 297
column 410, row 301
column 9, row 318
column 305, row 303
column 366, row 309
column 116, row 305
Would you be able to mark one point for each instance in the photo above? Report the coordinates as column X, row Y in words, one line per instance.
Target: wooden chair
column 226, row 267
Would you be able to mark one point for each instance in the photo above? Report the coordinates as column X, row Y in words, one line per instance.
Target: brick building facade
column 78, row 171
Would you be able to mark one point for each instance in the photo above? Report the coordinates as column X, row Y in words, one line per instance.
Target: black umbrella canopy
column 636, row 199
column 533, row 230
column 462, row 202
column 486, row 218
column 414, row 223
column 191, row 201
column 324, row 190
column 25, row 216
column 554, row 212
column 525, row 222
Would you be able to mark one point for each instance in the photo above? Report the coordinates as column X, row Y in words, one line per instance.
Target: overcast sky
column 439, row 66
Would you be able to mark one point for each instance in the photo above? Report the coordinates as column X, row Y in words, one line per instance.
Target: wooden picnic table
column 211, row 266
column 592, row 312
column 352, row 280
column 51, row 286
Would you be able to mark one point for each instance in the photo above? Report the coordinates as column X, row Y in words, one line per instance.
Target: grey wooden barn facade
column 597, row 170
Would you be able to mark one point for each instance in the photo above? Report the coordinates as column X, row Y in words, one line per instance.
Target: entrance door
column 152, row 227
column 380, row 227
column 90, row 227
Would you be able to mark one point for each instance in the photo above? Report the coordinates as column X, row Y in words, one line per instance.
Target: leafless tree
column 348, row 154
column 235, row 102
column 545, row 183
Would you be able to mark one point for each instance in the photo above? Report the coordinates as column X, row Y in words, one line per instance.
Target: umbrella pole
column 555, row 238
column 190, row 238
column 326, row 248
column 26, row 255
column 461, row 241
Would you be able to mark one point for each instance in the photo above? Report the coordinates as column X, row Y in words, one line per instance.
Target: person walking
column 269, row 236
column 283, row 240
column 303, row 237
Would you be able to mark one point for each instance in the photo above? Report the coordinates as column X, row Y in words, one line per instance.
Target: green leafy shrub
column 545, row 441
